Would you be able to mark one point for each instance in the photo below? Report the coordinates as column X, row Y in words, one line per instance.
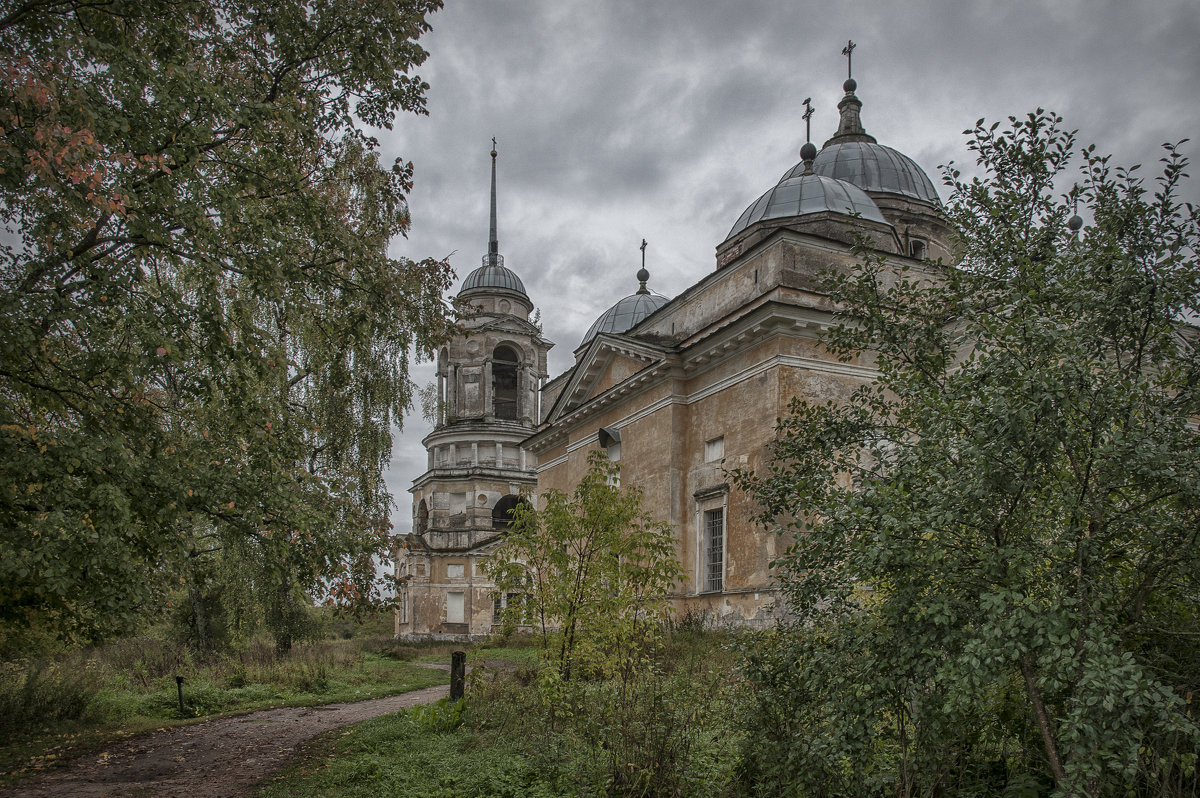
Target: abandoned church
column 678, row 390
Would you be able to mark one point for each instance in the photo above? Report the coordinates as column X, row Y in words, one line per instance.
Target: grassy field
column 56, row 707
column 673, row 730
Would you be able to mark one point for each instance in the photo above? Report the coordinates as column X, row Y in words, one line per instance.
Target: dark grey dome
column 492, row 275
column 625, row 314
column 872, row 167
column 805, row 194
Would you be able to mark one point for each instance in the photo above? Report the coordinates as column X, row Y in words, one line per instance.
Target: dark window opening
column 503, row 511
column 422, row 518
column 916, row 248
column 714, row 550
column 504, row 383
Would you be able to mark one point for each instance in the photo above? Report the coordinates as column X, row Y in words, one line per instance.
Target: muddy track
column 215, row 759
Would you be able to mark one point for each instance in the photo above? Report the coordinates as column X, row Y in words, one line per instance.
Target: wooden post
column 458, row 673
column 179, row 685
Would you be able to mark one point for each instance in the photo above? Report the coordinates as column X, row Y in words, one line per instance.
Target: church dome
column 807, row 194
column 853, row 155
column 628, row 312
column 872, row 167
column 491, row 275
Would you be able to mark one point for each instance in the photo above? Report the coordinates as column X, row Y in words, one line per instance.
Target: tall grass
column 42, row 692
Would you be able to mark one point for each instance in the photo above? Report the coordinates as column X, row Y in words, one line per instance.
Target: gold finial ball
column 494, row 153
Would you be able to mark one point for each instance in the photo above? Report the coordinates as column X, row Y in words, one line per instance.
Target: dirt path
column 215, row 759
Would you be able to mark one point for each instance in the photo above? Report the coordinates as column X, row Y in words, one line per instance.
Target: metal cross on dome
column 848, row 51
column 807, row 117
column 643, row 248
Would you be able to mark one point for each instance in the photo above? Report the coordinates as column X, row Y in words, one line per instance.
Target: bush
column 33, row 693
column 144, row 659
column 669, row 728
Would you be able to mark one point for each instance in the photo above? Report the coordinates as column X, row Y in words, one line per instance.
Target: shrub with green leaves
column 594, row 571
column 441, row 716
column 995, row 562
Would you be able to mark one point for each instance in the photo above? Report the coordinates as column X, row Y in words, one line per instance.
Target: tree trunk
column 284, row 622
column 1043, row 720
column 199, row 617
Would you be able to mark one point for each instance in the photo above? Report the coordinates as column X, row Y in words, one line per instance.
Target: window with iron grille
column 714, row 549
column 510, row 607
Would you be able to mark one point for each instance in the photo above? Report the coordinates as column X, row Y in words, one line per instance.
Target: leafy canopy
column 202, row 337
column 995, row 568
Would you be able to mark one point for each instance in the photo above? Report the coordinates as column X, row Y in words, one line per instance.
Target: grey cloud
column 665, row 119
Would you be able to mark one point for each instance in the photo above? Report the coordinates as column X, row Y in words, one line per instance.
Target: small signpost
column 179, row 685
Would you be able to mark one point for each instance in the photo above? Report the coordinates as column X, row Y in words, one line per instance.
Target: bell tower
column 488, row 385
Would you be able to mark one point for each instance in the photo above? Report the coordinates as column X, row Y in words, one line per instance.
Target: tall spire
column 493, row 256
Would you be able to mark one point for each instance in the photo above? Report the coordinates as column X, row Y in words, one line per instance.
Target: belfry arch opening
column 504, row 383
column 421, row 522
column 502, row 512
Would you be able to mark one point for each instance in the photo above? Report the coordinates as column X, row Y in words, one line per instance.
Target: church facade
column 681, row 391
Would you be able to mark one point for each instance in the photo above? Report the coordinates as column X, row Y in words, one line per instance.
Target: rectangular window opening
column 714, row 450
column 455, row 608
column 509, row 607
column 714, row 550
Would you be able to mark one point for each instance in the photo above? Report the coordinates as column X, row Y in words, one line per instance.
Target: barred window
column 509, row 607
column 714, row 550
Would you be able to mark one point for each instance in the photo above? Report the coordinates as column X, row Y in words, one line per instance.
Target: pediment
column 609, row 360
column 508, row 324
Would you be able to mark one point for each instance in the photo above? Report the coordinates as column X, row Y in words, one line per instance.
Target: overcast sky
column 618, row 120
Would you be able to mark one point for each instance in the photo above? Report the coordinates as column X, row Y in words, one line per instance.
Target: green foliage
column 40, row 692
column 396, row 757
column 994, row 569
column 671, row 732
column 441, row 716
column 594, row 571
column 203, row 341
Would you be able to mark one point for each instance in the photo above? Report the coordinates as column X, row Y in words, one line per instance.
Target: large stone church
column 678, row 390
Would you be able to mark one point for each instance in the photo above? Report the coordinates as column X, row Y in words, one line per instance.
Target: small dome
column 872, row 167
column 806, row 194
column 625, row 314
column 492, row 275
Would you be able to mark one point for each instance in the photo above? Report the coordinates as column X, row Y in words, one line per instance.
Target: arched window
column 422, row 520
column 610, row 439
column 502, row 512
column 504, row 383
